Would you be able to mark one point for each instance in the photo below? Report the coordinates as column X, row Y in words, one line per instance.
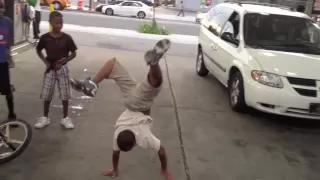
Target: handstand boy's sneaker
column 86, row 86
column 153, row 56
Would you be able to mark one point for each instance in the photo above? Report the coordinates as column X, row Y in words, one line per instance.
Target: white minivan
column 267, row 55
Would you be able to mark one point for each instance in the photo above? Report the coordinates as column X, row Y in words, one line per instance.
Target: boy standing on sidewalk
column 58, row 46
column 6, row 60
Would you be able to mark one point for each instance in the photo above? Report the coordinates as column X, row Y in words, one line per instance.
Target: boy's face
column 56, row 23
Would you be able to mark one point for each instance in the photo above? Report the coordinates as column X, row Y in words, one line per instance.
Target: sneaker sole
column 42, row 126
column 159, row 50
column 163, row 46
column 63, row 126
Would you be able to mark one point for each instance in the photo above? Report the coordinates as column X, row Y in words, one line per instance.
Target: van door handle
column 213, row 46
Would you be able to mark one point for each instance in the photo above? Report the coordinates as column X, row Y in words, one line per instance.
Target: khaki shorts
column 138, row 97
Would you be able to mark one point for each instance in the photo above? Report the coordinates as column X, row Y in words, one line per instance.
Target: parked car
column 266, row 55
column 199, row 17
column 128, row 8
column 57, row 4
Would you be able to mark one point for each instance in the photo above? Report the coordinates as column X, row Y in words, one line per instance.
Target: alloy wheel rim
column 235, row 91
column 199, row 62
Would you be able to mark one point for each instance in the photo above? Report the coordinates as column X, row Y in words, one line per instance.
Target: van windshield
column 280, row 32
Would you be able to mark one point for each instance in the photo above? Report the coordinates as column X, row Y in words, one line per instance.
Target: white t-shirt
column 228, row 27
column 140, row 125
column 32, row 12
column 37, row 7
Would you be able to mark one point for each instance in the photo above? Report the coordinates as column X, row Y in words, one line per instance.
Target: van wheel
column 57, row 5
column 200, row 67
column 236, row 93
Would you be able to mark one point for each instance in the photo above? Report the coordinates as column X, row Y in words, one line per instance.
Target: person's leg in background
column 36, row 25
column 179, row 12
column 5, row 88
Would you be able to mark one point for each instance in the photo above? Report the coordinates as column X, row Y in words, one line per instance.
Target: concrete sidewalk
column 81, row 153
column 219, row 144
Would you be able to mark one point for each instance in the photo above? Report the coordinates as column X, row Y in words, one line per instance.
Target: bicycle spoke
column 10, row 146
column 7, row 133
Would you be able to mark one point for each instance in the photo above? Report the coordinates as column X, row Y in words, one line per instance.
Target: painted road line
column 175, row 38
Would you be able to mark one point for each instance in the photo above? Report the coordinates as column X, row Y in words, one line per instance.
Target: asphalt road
column 116, row 22
column 191, row 115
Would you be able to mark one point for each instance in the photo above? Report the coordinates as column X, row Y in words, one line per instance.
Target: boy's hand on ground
column 166, row 175
column 110, row 172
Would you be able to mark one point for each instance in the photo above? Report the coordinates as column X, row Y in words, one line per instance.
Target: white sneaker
column 42, row 122
column 67, row 123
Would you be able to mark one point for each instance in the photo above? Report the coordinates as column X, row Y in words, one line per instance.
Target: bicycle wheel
column 7, row 142
column 27, row 33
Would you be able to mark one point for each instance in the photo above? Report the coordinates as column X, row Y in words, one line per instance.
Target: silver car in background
column 200, row 16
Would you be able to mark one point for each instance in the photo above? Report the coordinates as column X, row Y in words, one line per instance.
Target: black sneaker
column 86, row 86
column 153, row 56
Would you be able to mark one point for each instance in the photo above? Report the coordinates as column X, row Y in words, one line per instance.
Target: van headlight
column 268, row 79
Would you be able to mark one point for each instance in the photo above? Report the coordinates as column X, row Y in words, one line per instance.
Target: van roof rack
column 262, row 4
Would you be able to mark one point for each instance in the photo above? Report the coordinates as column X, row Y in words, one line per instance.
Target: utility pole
column 90, row 4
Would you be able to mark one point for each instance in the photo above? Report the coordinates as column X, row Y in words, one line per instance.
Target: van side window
column 233, row 25
column 220, row 19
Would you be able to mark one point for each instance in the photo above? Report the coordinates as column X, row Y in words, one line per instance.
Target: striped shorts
column 61, row 77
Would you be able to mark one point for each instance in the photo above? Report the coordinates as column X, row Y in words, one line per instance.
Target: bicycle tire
column 27, row 33
column 23, row 146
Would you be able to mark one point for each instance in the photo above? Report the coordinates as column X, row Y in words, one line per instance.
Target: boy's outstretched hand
column 166, row 175
column 110, row 172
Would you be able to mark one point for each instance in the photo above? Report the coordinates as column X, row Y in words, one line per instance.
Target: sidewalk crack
column 175, row 106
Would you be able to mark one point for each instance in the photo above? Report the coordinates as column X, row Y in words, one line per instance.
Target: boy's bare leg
column 149, row 89
column 46, row 108
column 155, row 76
column 105, row 71
column 90, row 86
column 112, row 69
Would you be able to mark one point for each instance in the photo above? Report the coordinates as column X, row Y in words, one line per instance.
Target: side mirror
column 226, row 36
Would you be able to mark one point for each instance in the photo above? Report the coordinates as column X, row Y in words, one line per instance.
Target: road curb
column 95, row 12
column 20, row 48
